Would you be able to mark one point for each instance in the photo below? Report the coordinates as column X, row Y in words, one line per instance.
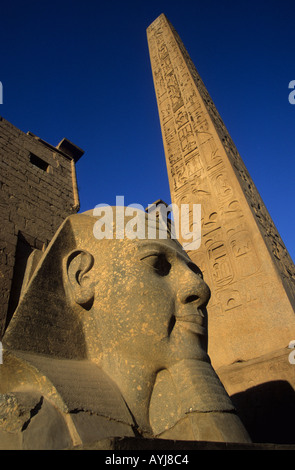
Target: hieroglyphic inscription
column 205, row 167
column 194, row 157
column 272, row 238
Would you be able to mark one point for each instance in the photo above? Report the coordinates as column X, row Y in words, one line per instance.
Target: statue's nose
column 192, row 288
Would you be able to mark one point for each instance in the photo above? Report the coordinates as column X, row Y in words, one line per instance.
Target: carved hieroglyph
column 243, row 258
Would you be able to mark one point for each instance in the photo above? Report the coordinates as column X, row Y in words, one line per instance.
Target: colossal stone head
column 89, row 298
column 136, row 309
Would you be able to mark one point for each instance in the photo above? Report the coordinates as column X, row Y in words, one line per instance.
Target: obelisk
column 251, row 315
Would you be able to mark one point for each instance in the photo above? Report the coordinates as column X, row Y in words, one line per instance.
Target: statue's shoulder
column 48, row 403
column 30, row 421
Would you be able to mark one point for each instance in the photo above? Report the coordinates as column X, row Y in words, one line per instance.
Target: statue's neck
column 136, row 382
column 202, row 392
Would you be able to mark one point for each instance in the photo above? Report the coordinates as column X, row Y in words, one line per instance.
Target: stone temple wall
column 38, row 191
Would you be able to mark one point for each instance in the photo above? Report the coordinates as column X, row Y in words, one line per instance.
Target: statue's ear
column 79, row 263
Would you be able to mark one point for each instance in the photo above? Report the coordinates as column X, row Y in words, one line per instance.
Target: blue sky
column 81, row 70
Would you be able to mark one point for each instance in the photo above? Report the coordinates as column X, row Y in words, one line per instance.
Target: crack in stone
column 34, row 411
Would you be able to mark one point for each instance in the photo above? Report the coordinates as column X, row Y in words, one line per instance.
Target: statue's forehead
column 167, row 246
column 129, row 249
column 124, row 247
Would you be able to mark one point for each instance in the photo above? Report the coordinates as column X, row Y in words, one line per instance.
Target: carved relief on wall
column 159, row 82
column 174, row 92
column 244, row 254
column 223, row 188
column 167, row 68
column 202, row 124
column 165, row 110
column 209, row 150
column 191, row 99
column 184, row 198
column 219, row 261
column 187, row 139
column 173, row 149
column 173, row 158
column 194, row 165
column 231, row 210
column 163, row 51
column 184, row 78
column 168, row 127
column 209, row 223
column 229, row 299
column 201, row 191
column 220, row 182
column 181, row 117
column 179, row 177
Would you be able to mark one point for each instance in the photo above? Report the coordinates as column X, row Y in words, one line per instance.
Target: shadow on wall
column 268, row 412
column 22, row 253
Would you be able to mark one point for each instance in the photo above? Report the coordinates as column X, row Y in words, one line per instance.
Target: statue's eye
column 159, row 263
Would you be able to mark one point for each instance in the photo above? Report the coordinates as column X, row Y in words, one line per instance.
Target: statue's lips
column 193, row 322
